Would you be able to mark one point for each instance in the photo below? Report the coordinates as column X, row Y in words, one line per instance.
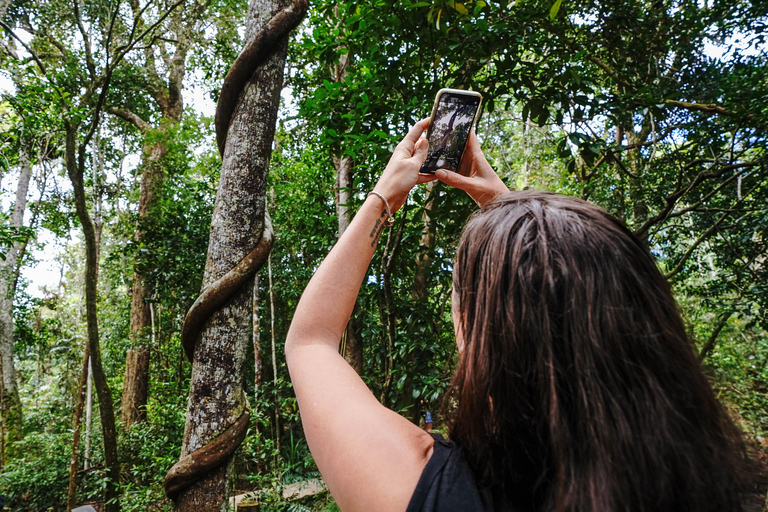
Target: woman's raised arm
column 370, row 457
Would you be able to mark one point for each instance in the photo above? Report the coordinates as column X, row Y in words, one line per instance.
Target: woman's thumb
column 452, row 179
column 421, row 150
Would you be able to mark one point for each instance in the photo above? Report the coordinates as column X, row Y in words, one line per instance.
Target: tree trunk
column 215, row 395
column 342, row 191
column 73, row 462
column 353, row 340
column 420, row 290
column 274, row 355
column 636, row 166
column 11, row 410
column 136, row 383
column 88, row 415
column 167, row 94
column 136, row 387
column 352, row 345
column 75, row 163
column 387, row 308
column 2, row 423
column 257, row 362
column 256, row 329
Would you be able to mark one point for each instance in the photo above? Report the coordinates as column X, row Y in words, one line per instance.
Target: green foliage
column 37, row 480
column 172, row 252
column 151, row 449
column 10, row 235
column 737, row 362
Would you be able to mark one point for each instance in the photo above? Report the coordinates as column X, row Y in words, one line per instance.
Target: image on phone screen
column 449, row 131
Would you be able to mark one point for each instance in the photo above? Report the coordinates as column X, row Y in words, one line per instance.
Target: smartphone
column 453, row 116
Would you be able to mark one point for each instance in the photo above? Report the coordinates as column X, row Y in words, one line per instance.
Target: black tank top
column 448, row 485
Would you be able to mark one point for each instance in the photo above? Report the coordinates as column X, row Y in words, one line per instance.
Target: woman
column 577, row 388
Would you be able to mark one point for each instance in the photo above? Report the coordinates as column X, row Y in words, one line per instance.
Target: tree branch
column 709, row 196
column 123, row 50
column 130, row 117
column 86, row 41
column 154, row 86
column 706, row 234
column 119, row 55
column 610, row 72
column 709, row 107
column 34, row 56
column 694, row 245
column 680, row 191
column 55, row 42
column 710, row 344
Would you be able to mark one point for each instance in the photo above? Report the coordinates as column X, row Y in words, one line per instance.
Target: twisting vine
column 218, row 450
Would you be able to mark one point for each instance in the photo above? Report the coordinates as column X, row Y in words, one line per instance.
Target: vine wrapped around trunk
column 218, row 413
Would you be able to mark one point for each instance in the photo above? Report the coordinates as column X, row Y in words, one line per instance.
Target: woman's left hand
column 402, row 171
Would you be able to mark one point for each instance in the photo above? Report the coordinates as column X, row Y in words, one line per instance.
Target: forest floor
column 290, row 492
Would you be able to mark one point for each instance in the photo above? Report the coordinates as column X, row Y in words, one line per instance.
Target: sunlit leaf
column 555, row 9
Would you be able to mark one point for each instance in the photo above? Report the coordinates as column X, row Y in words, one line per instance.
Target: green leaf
column 555, row 9
column 458, row 7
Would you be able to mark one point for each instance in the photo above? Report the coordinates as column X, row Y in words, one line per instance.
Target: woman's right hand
column 476, row 177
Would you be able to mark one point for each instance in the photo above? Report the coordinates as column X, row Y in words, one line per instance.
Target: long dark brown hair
column 578, row 388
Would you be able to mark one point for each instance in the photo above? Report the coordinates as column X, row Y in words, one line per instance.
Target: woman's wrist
column 393, row 198
column 374, row 215
column 389, row 220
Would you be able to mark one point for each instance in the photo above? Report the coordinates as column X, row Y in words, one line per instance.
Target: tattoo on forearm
column 377, row 228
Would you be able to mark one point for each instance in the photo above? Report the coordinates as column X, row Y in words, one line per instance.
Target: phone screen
column 449, row 131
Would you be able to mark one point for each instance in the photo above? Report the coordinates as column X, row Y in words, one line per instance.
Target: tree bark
column 387, row 309
column 353, row 342
column 75, row 163
column 136, row 382
column 274, row 355
column 710, row 344
column 636, row 166
column 11, row 410
column 215, row 395
column 136, row 387
column 256, row 329
column 420, row 290
column 352, row 347
column 88, row 415
column 73, row 462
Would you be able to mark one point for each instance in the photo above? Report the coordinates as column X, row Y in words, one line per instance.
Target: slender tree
column 81, row 402
column 11, row 405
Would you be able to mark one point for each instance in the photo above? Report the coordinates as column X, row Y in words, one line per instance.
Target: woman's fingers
column 413, row 135
column 454, row 179
column 425, row 178
column 421, row 150
column 481, row 188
